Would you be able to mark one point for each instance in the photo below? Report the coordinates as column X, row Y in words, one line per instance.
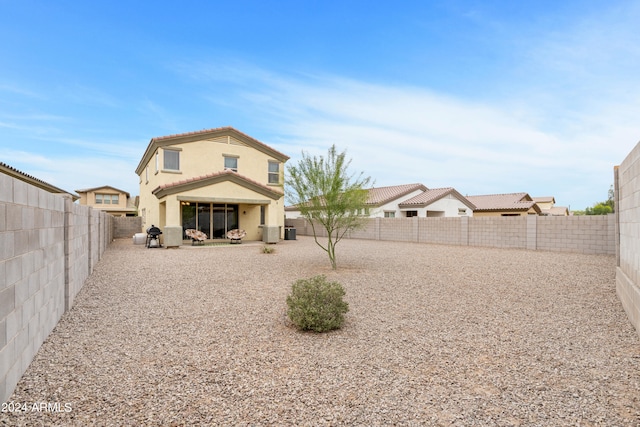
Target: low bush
column 267, row 249
column 316, row 304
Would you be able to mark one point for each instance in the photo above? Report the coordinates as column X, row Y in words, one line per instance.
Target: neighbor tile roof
column 556, row 211
column 15, row 173
column 502, row 202
column 382, row 195
column 87, row 190
column 544, row 199
column 429, row 196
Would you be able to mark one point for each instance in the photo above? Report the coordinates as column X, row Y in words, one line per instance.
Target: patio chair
column 196, row 236
column 236, row 235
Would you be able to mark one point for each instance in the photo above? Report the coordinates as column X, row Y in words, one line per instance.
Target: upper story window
column 107, row 199
column 171, row 160
column 274, row 173
column 231, row 162
column 157, row 161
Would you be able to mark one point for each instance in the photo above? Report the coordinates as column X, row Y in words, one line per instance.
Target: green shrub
column 316, row 304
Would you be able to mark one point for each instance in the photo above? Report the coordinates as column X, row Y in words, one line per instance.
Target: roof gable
column 433, row 195
column 104, row 187
column 233, row 136
column 215, row 178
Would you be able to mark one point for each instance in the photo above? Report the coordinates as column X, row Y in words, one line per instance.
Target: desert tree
column 328, row 196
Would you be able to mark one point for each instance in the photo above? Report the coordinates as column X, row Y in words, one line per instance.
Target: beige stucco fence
column 48, row 248
column 582, row 234
column 627, row 193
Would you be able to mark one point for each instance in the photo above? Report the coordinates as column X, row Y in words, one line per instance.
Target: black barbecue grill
column 153, row 237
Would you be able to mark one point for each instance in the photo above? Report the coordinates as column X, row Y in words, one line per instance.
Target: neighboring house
column 109, row 199
column 408, row 200
column 548, row 208
column 15, row 173
column 213, row 181
column 511, row 204
column 381, row 201
column 437, row 202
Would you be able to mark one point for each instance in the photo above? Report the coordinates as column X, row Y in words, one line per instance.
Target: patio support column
column 172, row 218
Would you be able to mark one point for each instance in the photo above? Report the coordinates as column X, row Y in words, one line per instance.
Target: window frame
column 166, row 162
column 107, row 199
column 271, row 174
column 230, row 158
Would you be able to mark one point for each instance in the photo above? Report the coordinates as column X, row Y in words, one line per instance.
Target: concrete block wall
column 402, row 229
column 44, row 261
column 498, row 232
column 584, row 234
column 448, row 231
column 126, row 226
column 627, row 194
column 369, row 231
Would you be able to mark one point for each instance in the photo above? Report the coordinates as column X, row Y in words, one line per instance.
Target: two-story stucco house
column 109, row 199
column 212, row 180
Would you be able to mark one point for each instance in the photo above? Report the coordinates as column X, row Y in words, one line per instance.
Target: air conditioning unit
column 270, row 234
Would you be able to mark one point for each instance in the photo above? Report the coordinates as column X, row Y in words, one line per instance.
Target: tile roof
column 195, row 179
column 11, row 171
column 216, row 130
column 500, row 202
column 87, row 190
column 429, row 196
column 381, row 195
column 186, row 137
column 556, row 211
column 543, row 199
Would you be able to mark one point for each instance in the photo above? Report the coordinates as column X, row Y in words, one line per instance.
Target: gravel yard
column 435, row 335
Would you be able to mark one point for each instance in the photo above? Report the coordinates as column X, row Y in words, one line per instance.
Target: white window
column 274, row 173
column 389, row 214
column 157, row 161
column 107, row 199
column 462, row 211
column 171, row 160
column 231, row 163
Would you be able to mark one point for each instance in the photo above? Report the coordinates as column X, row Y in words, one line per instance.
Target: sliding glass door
column 212, row 219
column 225, row 218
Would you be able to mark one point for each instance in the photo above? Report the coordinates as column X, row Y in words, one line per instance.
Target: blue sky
column 484, row 96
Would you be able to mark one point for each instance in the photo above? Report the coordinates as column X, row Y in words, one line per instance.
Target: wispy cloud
column 402, row 134
column 73, row 173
